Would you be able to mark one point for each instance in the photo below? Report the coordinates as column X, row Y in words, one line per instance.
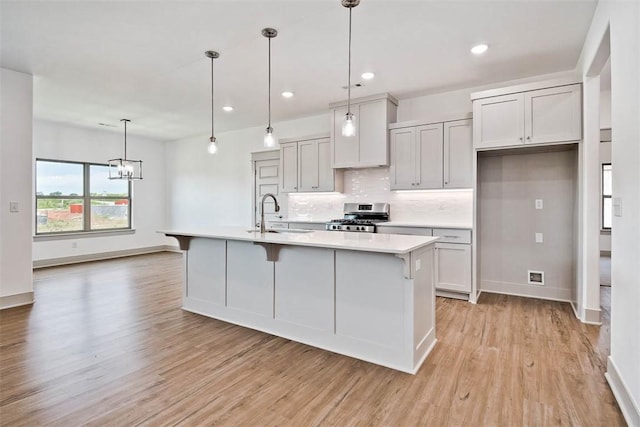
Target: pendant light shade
column 212, row 146
column 124, row 168
column 349, row 124
column 269, row 139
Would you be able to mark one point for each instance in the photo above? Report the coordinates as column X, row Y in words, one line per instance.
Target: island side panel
column 424, row 308
column 370, row 296
column 304, row 287
column 205, row 274
column 249, row 279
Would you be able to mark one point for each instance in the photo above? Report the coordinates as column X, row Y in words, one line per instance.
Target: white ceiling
column 99, row 61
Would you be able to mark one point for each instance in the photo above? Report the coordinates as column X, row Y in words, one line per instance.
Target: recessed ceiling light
column 368, row 75
column 287, row 94
column 479, row 49
column 227, row 108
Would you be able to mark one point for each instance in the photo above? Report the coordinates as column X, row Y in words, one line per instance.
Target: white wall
column 16, row 116
column 205, row 190
column 623, row 17
column 63, row 142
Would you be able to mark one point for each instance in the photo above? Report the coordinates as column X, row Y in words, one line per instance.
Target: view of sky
column 67, row 179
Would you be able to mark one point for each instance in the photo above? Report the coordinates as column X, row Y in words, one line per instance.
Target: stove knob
column 359, row 228
column 347, row 227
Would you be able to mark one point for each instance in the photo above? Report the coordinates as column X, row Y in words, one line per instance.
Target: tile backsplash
column 372, row 185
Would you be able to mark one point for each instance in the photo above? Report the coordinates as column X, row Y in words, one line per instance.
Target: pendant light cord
column 349, row 75
column 269, row 82
column 125, row 140
column 212, row 98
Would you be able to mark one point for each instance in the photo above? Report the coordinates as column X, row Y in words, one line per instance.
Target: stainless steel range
column 360, row 217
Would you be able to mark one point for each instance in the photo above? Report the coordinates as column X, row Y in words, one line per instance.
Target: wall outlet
column 539, row 204
column 74, row 245
column 418, row 265
column 536, row 277
column 617, row 206
column 539, row 238
column 14, row 207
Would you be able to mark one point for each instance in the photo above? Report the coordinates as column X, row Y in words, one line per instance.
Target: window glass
column 59, row 179
column 606, row 212
column 606, row 180
column 100, row 185
column 109, row 213
column 59, row 215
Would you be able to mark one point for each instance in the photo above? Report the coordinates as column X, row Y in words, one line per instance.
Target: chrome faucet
column 277, row 209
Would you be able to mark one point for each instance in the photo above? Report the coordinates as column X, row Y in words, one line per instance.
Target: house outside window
column 73, row 197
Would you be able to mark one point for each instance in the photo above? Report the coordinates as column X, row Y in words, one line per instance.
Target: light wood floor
column 107, row 344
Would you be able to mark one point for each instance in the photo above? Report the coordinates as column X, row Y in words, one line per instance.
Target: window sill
column 82, row 235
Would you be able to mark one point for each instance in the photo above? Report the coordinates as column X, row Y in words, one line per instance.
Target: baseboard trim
column 629, row 408
column 529, row 291
column 16, row 300
column 52, row 262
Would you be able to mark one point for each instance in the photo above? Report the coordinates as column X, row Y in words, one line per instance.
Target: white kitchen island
column 369, row 296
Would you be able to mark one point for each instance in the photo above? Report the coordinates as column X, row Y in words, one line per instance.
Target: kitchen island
column 369, row 296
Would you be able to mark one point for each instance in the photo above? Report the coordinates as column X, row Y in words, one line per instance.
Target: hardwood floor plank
column 107, row 344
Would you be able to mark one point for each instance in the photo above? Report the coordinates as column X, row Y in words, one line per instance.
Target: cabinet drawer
column 452, row 235
column 307, row 225
column 415, row 231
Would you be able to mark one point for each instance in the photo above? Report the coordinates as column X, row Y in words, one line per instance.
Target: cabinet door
column 498, row 121
column 326, row 174
column 346, row 150
column 553, row 115
column 372, row 130
column 429, row 156
column 458, row 154
column 289, row 167
column 307, row 165
column 453, row 267
column 402, row 172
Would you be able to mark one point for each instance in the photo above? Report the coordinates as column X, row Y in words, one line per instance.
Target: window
column 79, row 197
column 606, row 196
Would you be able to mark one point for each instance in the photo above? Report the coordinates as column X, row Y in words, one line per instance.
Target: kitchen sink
column 282, row 231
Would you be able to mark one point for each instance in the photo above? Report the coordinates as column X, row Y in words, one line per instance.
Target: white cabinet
column 458, row 154
column 369, row 147
column 306, row 166
column 542, row 116
column 453, row 267
column 453, row 257
column 431, row 156
column 289, row 167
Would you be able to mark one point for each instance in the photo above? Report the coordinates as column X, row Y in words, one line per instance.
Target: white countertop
column 425, row 225
column 369, row 242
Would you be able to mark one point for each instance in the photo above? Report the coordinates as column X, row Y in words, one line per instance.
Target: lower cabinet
column 453, row 267
column 453, row 257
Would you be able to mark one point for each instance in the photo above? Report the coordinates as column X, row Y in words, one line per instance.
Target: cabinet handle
column 452, row 237
column 529, row 138
column 520, row 138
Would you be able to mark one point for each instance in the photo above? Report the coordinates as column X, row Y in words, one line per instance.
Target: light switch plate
column 417, row 264
column 539, row 238
column 617, row 206
column 14, row 207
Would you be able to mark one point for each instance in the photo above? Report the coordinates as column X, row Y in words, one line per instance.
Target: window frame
column 603, row 197
column 86, row 201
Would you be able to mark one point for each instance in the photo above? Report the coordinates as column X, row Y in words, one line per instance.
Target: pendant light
column 212, row 147
column 269, row 140
column 349, row 124
column 125, row 168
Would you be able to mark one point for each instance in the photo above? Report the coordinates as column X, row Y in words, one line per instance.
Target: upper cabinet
column 306, row 166
column 540, row 116
column 431, row 156
column 370, row 145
